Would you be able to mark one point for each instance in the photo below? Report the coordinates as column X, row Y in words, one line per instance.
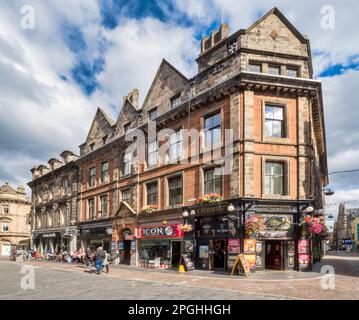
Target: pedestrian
column 106, row 262
column 99, row 258
column 88, row 254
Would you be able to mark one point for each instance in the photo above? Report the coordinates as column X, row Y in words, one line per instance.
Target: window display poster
column 259, row 247
column 203, row 252
column 121, row 245
column 304, row 260
column 251, row 260
column 133, row 245
column 303, row 246
column 188, row 246
column 233, row 246
column 249, row 246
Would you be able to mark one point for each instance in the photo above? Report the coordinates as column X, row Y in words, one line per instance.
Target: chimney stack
column 215, row 37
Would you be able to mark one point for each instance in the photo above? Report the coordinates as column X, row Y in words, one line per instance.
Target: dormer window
column 92, row 147
column 104, row 140
column 175, row 101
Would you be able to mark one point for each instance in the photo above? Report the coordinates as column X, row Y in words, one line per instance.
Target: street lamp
column 328, row 192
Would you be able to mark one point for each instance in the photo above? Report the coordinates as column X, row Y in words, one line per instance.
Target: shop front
column 160, row 246
column 271, row 237
column 216, row 236
column 48, row 240
column 96, row 234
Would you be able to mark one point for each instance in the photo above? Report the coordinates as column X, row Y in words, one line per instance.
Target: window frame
column 175, row 101
column 213, row 180
column 106, row 178
column 7, row 207
column 128, row 162
column 151, row 153
column 258, row 64
column 89, row 215
column 130, row 198
column 272, row 177
column 292, row 68
column 3, row 224
column 92, row 177
column 273, row 66
column 153, row 194
column 65, row 189
column 282, row 121
column 106, row 203
column 178, row 144
column 170, row 190
column 211, row 130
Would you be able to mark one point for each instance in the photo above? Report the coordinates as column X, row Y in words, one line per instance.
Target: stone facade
column 225, row 85
column 14, row 218
column 54, row 205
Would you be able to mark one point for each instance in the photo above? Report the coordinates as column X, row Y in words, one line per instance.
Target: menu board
column 251, row 260
column 187, row 260
column 241, row 261
column 249, row 246
column 233, row 246
column 304, row 260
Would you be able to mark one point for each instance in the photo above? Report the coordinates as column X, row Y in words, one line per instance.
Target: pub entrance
column 218, row 254
column 274, row 258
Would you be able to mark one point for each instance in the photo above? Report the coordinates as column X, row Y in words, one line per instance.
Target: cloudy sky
column 86, row 54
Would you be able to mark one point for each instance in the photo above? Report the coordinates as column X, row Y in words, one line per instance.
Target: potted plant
column 149, row 209
column 210, row 198
column 253, row 225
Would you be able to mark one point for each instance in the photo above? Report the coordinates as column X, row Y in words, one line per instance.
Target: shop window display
column 156, row 252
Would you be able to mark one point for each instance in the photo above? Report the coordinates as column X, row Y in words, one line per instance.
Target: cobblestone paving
column 126, row 283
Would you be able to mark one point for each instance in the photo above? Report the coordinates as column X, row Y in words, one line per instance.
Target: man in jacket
column 99, row 258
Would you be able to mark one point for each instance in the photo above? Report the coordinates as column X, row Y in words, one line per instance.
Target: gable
column 128, row 115
column 275, row 33
column 167, row 82
column 101, row 126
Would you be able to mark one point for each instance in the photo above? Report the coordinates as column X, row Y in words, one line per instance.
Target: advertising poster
column 121, row 245
column 304, row 260
column 188, row 246
column 303, row 246
column 249, row 246
column 233, row 246
column 251, row 260
column 203, row 252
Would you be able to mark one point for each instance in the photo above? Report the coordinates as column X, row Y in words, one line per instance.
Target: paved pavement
column 63, row 283
column 53, row 281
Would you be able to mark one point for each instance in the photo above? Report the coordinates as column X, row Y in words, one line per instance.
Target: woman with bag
column 106, row 262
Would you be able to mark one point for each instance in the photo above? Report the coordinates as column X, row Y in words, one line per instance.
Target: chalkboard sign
column 187, row 261
column 241, row 261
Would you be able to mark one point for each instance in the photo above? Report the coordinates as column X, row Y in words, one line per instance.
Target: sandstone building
column 258, row 83
column 15, row 210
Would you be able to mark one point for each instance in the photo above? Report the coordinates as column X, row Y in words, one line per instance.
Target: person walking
column 106, row 262
column 88, row 255
column 99, row 259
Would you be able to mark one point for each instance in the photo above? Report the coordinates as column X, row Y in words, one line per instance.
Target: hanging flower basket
column 210, row 198
column 186, row 227
column 149, row 209
column 312, row 226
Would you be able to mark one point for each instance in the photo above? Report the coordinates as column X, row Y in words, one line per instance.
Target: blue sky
column 86, row 54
